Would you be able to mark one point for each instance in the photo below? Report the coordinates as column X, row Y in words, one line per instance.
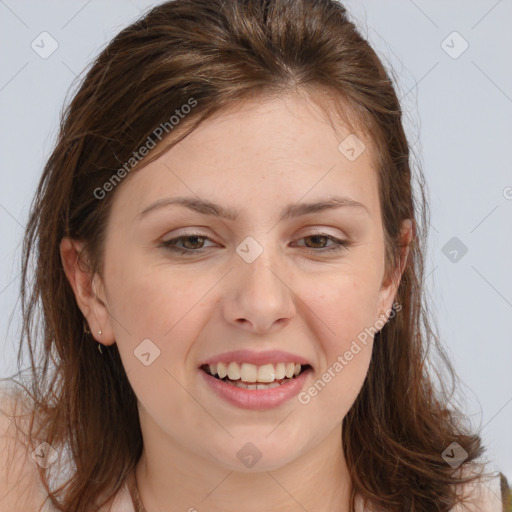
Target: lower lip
column 257, row 399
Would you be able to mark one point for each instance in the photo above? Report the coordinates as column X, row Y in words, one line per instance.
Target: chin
column 255, row 457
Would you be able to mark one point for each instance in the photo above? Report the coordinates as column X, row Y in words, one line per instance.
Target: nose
column 260, row 296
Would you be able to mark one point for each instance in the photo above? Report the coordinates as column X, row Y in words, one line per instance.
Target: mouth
column 265, row 377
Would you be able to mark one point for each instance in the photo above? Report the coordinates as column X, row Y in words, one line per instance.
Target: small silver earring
column 99, row 332
column 99, row 348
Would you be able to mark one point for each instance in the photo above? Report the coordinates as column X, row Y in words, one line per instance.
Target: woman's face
column 261, row 282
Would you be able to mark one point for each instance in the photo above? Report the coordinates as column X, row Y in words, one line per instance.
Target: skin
column 256, row 158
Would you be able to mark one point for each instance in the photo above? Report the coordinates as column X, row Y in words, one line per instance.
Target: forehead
column 287, row 128
column 259, row 150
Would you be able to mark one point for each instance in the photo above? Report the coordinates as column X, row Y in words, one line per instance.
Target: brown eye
column 190, row 244
column 196, row 240
column 319, row 240
column 194, row 244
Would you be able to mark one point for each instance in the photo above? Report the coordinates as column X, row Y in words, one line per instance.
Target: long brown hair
column 217, row 53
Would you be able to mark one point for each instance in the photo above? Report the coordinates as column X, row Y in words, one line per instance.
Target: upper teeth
column 251, row 373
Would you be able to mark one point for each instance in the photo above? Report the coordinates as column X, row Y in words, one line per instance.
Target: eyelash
column 171, row 246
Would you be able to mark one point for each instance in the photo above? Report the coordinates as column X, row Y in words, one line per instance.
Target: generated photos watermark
column 343, row 360
column 159, row 132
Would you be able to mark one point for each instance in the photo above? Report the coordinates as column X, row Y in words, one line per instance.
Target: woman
column 230, row 267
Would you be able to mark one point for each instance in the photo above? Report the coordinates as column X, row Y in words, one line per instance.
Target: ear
column 389, row 288
column 85, row 284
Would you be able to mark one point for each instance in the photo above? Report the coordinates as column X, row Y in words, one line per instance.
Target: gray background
column 459, row 119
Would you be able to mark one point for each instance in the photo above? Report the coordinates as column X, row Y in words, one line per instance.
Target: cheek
column 342, row 329
column 149, row 298
column 345, row 302
column 158, row 319
column 344, row 309
column 147, row 302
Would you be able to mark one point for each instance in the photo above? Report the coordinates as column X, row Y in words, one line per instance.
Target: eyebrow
column 292, row 210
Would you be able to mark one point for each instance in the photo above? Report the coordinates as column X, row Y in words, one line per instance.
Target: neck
column 318, row 480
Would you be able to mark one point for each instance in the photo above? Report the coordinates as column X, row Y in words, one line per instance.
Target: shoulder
column 20, row 484
column 122, row 502
column 483, row 495
column 490, row 493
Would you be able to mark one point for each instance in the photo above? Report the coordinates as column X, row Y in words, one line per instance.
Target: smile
column 251, row 373
column 248, row 386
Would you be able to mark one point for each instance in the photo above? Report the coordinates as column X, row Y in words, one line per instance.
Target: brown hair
column 218, row 53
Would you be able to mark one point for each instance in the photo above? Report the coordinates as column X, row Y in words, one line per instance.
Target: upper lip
column 257, row 358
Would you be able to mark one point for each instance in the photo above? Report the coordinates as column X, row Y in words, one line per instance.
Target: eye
column 322, row 238
column 194, row 243
column 197, row 239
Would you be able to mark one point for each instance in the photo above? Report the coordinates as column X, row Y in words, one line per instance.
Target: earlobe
column 388, row 293
column 82, row 282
